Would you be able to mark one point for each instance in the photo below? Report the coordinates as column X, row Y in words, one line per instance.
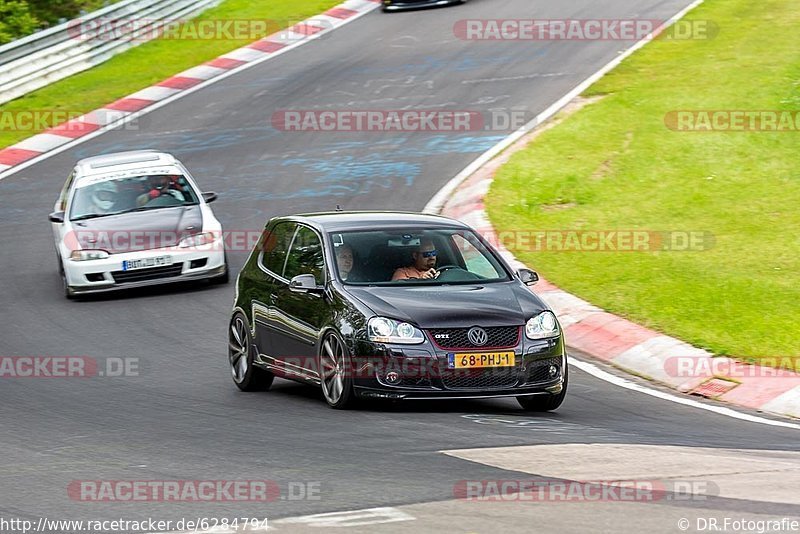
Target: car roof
column 130, row 160
column 343, row 221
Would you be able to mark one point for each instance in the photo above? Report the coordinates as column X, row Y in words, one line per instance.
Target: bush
column 16, row 20
column 51, row 11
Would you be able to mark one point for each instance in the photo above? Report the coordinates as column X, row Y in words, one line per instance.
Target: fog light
column 393, row 378
column 553, row 371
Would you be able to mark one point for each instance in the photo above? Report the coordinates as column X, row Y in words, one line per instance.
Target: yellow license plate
column 474, row 360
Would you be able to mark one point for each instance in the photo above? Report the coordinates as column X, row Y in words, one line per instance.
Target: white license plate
column 144, row 263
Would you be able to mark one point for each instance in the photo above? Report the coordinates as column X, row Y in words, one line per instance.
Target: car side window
column 62, row 199
column 305, row 256
column 475, row 261
column 276, row 246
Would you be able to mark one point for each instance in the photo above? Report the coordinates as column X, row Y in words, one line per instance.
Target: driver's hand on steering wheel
column 430, row 273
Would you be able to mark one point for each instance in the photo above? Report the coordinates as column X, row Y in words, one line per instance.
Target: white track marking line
column 352, row 518
column 686, row 401
column 436, row 203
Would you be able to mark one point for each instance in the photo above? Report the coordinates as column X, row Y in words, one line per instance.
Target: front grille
column 416, row 382
column 539, row 370
column 500, row 337
column 491, row 378
column 142, row 275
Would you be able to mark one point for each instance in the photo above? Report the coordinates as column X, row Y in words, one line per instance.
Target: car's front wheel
column 545, row 403
column 335, row 373
column 246, row 376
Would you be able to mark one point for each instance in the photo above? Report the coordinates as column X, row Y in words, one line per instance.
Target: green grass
column 614, row 165
column 154, row 61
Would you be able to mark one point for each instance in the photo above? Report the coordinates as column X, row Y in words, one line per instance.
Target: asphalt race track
column 182, row 418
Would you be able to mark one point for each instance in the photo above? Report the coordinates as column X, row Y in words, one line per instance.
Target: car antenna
column 338, row 207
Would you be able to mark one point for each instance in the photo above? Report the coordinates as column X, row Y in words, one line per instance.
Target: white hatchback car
column 133, row 219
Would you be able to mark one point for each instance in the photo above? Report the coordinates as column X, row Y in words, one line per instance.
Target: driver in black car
column 424, row 266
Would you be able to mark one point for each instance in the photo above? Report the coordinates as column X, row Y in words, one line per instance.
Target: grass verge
column 153, row 61
column 616, row 165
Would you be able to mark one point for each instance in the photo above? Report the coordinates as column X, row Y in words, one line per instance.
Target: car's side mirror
column 56, row 217
column 528, row 277
column 303, row 283
column 209, row 196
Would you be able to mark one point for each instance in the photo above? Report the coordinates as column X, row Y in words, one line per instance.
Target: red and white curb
column 635, row 348
column 31, row 150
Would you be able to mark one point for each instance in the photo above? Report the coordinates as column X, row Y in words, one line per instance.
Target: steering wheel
column 443, row 268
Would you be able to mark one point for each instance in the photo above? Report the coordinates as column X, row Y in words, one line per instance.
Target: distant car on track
column 399, row 5
column 133, row 219
column 388, row 305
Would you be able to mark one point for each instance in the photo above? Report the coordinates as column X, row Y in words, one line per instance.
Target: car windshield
column 103, row 197
column 416, row 256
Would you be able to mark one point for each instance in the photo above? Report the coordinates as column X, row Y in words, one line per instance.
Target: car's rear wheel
column 545, row 403
column 246, row 376
column 335, row 375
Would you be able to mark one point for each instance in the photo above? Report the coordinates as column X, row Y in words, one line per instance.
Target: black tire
column 545, row 403
column 337, row 385
column 246, row 376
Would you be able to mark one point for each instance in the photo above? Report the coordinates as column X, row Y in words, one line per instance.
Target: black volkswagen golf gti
column 389, row 305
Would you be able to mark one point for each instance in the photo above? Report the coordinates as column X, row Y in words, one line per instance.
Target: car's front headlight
column 197, row 240
column 85, row 255
column 542, row 326
column 383, row 330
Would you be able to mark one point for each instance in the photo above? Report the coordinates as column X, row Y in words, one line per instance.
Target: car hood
column 496, row 304
column 141, row 230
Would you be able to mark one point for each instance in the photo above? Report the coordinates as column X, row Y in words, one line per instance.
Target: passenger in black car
column 344, row 260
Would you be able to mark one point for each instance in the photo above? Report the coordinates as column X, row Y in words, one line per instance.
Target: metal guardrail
column 61, row 51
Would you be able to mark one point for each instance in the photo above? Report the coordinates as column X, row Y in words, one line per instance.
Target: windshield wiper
column 149, row 208
column 90, row 216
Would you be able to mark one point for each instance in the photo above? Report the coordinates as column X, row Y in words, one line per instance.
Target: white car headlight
column 542, row 326
column 383, row 330
column 197, row 240
column 85, row 255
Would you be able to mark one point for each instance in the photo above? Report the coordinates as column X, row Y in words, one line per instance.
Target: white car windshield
column 101, row 198
column 417, row 256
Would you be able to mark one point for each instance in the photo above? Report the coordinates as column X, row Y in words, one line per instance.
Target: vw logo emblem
column 477, row 336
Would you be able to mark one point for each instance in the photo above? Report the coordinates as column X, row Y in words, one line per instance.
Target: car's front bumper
column 201, row 262
column 399, row 5
column 403, row 394
column 423, row 372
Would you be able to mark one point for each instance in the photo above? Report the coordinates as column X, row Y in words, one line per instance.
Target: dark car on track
column 398, row 5
column 388, row 305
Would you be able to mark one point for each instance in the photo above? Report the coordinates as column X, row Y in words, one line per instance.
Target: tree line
column 19, row 18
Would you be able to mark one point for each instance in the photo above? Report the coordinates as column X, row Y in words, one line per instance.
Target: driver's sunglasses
column 428, row 253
